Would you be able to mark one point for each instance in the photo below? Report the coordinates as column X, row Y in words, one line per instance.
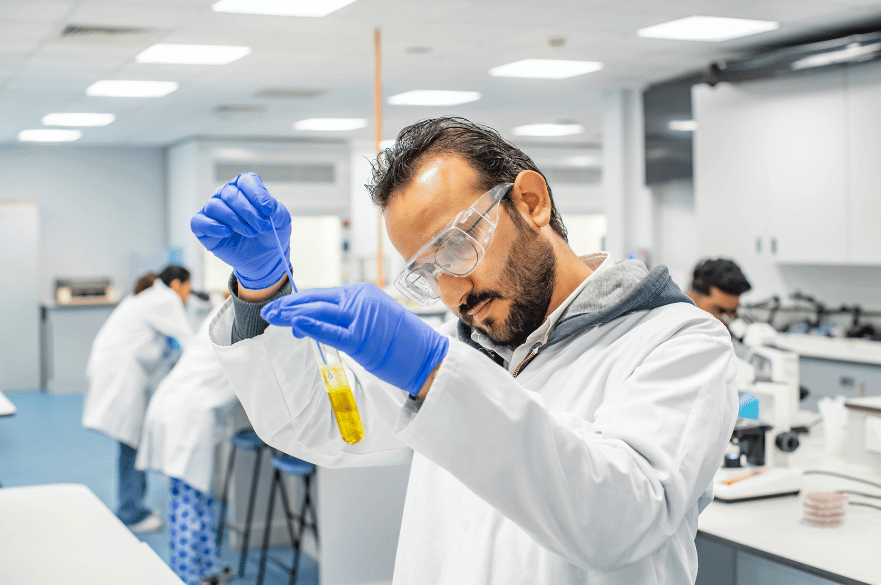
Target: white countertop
column 772, row 528
column 62, row 533
column 6, row 407
column 860, row 351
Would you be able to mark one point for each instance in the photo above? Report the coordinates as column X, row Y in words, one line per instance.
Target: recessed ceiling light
column 78, row 119
column 307, row 8
column 330, row 124
column 583, row 160
column 682, row 125
column 545, row 68
column 426, row 97
column 192, row 54
column 125, row 88
column 707, row 28
column 49, row 135
column 548, row 130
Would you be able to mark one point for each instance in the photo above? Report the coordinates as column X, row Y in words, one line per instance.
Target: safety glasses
column 455, row 250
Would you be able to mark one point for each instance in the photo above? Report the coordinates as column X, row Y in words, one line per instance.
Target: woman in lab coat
column 183, row 426
column 129, row 352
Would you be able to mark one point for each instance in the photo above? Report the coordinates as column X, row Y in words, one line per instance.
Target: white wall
column 98, row 206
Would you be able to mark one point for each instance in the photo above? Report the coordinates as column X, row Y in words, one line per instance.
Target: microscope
column 756, row 465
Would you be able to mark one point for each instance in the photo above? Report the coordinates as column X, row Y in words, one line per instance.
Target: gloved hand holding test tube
column 334, row 375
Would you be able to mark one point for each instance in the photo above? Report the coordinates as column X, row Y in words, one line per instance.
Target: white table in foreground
column 62, row 533
column 772, row 528
column 6, row 407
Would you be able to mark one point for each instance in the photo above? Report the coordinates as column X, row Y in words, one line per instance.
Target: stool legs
column 222, row 518
column 276, row 478
column 250, row 514
column 295, row 535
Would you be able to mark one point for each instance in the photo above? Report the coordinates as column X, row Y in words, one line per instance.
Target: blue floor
column 45, row 443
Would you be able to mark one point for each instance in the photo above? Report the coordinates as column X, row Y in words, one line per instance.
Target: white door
column 19, row 303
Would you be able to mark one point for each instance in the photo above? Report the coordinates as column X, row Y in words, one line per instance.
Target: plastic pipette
column 334, row 375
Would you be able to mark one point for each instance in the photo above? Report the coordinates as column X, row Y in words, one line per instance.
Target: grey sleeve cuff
column 248, row 323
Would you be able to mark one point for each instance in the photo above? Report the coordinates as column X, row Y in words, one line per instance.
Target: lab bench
column 764, row 542
column 63, row 533
column 6, row 406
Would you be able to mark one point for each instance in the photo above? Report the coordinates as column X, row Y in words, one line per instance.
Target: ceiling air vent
column 289, row 93
column 107, row 35
column 278, row 173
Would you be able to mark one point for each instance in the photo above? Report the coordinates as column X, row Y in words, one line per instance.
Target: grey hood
column 627, row 287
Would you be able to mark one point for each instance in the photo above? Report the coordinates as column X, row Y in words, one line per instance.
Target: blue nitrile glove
column 236, row 226
column 376, row 331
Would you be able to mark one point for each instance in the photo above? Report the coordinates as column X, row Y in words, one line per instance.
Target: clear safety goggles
column 455, row 250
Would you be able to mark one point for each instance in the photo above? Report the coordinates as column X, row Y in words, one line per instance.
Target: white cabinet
column 864, row 154
column 805, row 159
column 786, row 169
column 730, row 172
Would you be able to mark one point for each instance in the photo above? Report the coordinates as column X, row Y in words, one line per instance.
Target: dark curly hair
column 723, row 274
column 495, row 159
column 174, row 272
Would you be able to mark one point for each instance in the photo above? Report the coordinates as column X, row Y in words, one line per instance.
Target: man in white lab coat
column 565, row 429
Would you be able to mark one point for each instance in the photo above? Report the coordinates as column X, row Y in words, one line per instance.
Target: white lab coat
column 186, row 416
column 126, row 354
column 590, row 467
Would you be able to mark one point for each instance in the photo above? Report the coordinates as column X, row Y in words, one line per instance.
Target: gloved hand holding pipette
column 236, row 225
column 372, row 328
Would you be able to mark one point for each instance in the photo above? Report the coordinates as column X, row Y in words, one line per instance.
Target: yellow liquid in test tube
column 340, row 393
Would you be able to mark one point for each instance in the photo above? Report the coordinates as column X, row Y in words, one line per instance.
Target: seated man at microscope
column 716, row 286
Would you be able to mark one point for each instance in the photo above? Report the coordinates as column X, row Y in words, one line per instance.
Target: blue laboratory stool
column 288, row 465
column 249, row 441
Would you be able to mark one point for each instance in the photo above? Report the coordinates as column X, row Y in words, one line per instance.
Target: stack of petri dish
column 824, row 509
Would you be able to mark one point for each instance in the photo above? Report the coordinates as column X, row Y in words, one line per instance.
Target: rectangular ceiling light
column 425, row 97
column 305, row 8
column 192, row 54
column 78, row 119
column 548, row 130
column 682, row 125
column 330, row 124
column 545, row 68
column 710, row 29
column 49, row 135
column 127, row 88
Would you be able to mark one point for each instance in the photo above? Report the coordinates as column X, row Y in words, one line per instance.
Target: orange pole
column 377, row 104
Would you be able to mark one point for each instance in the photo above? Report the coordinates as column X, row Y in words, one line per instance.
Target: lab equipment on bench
column 90, row 291
column 334, row 376
column 757, row 465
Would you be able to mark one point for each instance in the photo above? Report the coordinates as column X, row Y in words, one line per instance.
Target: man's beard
column 528, row 277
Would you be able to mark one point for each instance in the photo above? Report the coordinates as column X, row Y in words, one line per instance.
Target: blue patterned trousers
column 192, row 520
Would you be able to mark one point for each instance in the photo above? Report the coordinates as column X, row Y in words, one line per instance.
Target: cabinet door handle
column 758, row 245
column 773, row 245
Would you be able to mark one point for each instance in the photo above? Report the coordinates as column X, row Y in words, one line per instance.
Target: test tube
column 340, row 393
